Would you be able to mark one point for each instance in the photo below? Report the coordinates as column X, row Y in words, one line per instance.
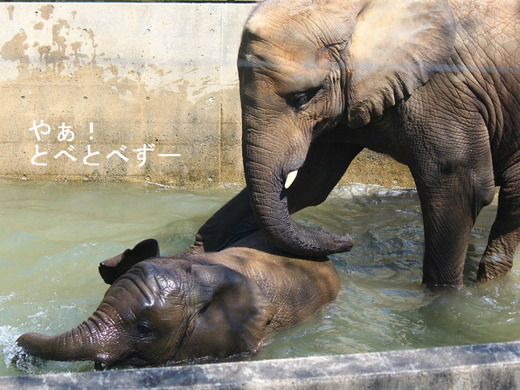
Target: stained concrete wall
column 147, row 76
column 490, row 366
column 129, row 91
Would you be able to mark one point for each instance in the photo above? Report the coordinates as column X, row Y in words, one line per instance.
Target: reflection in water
column 53, row 235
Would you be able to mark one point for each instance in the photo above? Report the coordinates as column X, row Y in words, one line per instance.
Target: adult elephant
column 433, row 83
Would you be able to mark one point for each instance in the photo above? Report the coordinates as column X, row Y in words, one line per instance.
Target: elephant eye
column 144, row 329
column 299, row 99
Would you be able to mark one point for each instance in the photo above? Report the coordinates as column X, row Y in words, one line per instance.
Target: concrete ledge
column 489, row 366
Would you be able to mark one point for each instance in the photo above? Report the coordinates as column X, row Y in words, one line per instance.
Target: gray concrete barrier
column 491, row 366
column 130, row 91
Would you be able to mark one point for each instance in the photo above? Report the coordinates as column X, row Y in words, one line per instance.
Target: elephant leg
column 454, row 178
column 450, row 208
column 230, row 223
column 505, row 232
column 326, row 162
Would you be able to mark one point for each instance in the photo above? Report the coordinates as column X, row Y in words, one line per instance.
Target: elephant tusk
column 290, row 179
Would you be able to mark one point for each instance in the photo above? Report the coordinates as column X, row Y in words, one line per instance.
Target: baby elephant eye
column 144, row 329
column 298, row 99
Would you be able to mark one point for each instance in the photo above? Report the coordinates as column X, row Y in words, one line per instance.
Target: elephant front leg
column 230, row 223
column 505, row 233
column 326, row 162
column 324, row 166
column 452, row 196
column 446, row 229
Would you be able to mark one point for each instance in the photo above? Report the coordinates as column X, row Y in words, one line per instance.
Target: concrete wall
column 490, row 366
column 129, row 91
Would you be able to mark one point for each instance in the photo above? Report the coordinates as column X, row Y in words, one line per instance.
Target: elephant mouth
column 126, row 362
column 99, row 366
column 102, row 366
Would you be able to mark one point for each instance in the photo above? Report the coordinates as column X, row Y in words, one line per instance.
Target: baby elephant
column 192, row 306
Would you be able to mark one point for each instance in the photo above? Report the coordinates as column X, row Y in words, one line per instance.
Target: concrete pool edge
column 495, row 366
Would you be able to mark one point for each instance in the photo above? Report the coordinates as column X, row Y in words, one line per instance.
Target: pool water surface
column 53, row 235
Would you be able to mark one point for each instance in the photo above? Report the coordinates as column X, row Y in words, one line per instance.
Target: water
column 53, row 235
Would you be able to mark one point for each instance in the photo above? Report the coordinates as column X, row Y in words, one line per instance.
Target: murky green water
column 53, row 235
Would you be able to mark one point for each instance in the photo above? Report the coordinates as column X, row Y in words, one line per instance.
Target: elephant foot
column 493, row 266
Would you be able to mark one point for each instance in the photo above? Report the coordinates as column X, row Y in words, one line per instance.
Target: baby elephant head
column 162, row 310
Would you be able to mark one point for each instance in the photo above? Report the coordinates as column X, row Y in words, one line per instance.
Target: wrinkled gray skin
column 433, row 83
column 192, row 306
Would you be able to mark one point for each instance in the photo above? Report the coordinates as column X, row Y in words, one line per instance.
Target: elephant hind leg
column 505, row 232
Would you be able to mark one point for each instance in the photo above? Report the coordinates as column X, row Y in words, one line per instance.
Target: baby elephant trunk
column 76, row 344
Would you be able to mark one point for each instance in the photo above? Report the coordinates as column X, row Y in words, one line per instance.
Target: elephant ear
column 113, row 268
column 395, row 48
column 232, row 314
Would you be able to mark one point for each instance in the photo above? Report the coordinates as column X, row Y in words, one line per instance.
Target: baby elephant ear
column 232, row 315
column 396, row 47
column 113, row 268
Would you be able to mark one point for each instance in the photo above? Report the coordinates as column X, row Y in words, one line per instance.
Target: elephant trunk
column 269, row 172
column 80, row 343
